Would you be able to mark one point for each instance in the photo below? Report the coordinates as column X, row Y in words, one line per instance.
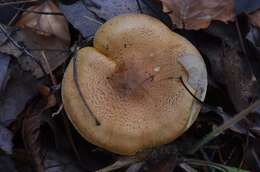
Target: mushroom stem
column 75, row 78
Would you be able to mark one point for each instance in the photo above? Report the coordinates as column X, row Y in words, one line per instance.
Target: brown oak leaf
column 197, row 14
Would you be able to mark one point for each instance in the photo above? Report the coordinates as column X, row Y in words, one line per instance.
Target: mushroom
column 138, row 82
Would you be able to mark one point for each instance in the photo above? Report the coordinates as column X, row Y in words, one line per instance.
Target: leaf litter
column 35, row 49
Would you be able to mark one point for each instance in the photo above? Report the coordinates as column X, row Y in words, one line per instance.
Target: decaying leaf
column 197, row 14
column 230, row 68
column 31, row 132
column 254, row 36
column 4, row 63
column 50, row 22
column 254, row 18
column 59, row 162
column 7, row 13
column 6, row 137
column 236, row 74
column 233, row 71
column 240, row 80
column 246, row 6
column 88, row 15
column 20, row 88
column 109, row 9
column 31, row 126
column 26, row 46
column 225, row 32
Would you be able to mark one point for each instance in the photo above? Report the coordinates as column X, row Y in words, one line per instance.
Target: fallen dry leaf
column 32, row 121
column 56, row 50
column 88, row 15
column 233, row 71
column 56, row 161
column 46, row 24
column 198, row 14
column 7, row 13
column 6, row 137
column 31, row 134
column 20, row 88
column 240, row 80
column 253, row 37
column 246, row 6
column 254, row 18
column 4, row 63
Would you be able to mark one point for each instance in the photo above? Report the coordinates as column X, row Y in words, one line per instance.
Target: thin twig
column 224, row 126
column 255, row 157
column 15, row 16
column 53, row 79
column 241, row 40
column 92, row 12
column 204, row 163
column 43, row 49
column 185, row 86
column 48, row 49
column 123, row 162
column 17, row 2
column 92, row 3
column 93, row 20
column 75, row 78
column 245, row 148
column 139, row 6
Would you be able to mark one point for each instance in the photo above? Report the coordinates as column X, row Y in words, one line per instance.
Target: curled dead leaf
column 46, row 19
column 198, row 14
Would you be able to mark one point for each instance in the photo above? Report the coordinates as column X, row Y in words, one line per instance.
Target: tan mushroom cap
column 130, row 80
